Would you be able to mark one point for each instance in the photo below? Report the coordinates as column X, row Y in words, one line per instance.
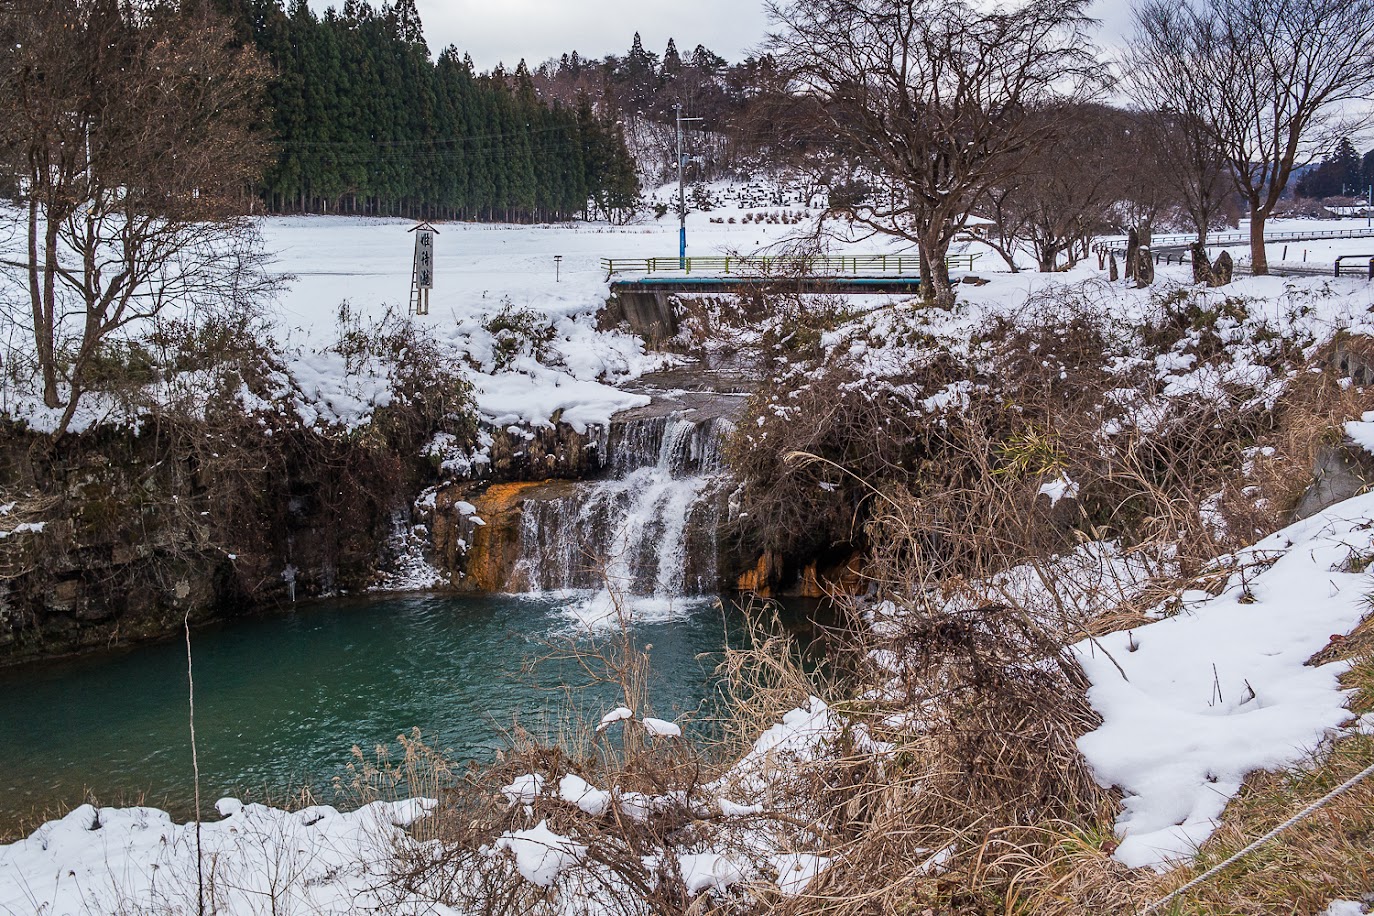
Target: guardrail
column 784, row 265
column 1173, row 255
column 1356, row 257
column 1217, row 239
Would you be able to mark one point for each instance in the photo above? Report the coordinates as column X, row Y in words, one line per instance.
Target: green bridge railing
column 784, row 265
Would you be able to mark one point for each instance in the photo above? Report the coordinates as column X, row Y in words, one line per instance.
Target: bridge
column 647, row 303
column 755, row 267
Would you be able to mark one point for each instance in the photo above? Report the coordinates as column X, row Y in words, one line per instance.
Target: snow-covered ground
column 480, row 271
column 254, row 860
column 1194, row 702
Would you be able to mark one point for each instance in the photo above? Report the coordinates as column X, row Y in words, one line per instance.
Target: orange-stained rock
column 761, row 579
column 483, row 552
column 765, row 579
column 845, row 578
column 495, row 546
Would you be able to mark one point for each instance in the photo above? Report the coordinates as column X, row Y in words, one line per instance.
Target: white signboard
column 424, row 259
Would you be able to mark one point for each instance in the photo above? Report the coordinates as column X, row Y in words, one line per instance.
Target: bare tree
column 1189, row 165
column 1267, row 81
column 129, row 126
column 1066, row 190
column 937, row 98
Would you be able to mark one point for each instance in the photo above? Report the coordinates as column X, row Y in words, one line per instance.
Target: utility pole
column 681, row 193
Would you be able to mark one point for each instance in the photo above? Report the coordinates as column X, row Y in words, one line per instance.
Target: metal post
column 681, row 191
column 681, row 197
column 557, row 271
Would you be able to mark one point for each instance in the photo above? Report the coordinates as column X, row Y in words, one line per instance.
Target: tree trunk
column 1259, row 261
column 43, row 331
column 935, row 286
column 1200, row 225
column 48, row 356
column 1202, row 265
column 1048, row 256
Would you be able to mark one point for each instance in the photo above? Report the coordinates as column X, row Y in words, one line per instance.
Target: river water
column 281, row 700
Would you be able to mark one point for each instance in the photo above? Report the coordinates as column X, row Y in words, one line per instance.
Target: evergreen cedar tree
column 366, row 123
column 1343, row 172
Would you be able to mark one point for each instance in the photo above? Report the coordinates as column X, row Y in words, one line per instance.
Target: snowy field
column 481, row 270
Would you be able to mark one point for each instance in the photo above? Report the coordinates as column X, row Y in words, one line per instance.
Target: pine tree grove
column 365, row 122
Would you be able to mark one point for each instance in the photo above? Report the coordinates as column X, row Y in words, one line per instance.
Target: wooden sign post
column 422, row 269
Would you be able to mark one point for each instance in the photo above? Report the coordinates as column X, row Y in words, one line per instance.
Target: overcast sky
column 504, row 31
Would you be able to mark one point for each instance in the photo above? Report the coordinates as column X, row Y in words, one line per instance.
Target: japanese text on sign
column 424, row 259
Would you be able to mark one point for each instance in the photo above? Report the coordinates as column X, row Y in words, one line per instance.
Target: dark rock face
column 650, row 314
column 115, row 536
column 1341, row 471
column 556, row 452
column 1202, row 265
column 1352, row 357
column 1222, row 270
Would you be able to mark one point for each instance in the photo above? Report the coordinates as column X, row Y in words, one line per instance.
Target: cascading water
column 648, row 531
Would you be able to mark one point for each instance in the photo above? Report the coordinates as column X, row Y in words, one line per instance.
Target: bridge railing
column 784, row 266
column 1359, row 259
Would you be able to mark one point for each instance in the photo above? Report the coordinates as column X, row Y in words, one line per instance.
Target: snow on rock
column 540, row 854
column 710, row 871
column 1222, row 689
column 524, row 790
column 1343, row 908
column 661, row 728
column 112, row 860
column 25, row 528
column 1059, row 488
column 1361, row 431
column 228, row 807
column 577, row 791
column 535, row 399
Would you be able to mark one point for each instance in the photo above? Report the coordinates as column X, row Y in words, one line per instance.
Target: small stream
column 280, row 701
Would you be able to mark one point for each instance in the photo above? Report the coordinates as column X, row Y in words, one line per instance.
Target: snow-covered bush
column 518, row 333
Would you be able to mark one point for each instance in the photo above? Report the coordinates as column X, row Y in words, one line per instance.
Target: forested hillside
column 366, row 122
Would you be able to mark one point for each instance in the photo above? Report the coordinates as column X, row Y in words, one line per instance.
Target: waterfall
column 649, row 530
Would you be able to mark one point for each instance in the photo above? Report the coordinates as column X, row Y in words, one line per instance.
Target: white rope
column 1317, row 805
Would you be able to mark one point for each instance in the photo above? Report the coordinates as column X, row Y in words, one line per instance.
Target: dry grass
column 1329, row 855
